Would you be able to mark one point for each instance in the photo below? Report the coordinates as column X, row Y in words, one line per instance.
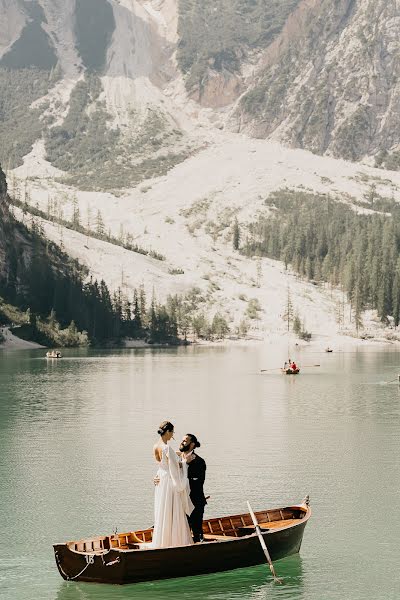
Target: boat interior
column 215, row 530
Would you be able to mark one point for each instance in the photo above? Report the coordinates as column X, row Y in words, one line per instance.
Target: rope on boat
column 89, row 561
column 112, row 562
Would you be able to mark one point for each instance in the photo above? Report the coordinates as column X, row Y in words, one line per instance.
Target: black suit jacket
column 197, row 475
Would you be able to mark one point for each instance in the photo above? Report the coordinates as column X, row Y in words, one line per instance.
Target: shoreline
column 13, row 342
column 281, row 340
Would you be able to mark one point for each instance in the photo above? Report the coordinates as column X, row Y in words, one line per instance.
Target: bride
column 171, row 502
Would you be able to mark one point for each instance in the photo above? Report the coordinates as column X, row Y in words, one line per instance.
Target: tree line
column 96, row 230
column 327, row 241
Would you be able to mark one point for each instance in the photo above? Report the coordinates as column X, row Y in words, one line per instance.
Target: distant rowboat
column 230, row 543
column 53, row 354
column 290, row 371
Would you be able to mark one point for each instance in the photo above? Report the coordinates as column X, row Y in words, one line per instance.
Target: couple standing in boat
column 179, row 496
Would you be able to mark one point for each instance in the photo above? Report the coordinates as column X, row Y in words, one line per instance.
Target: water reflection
column 247, row 584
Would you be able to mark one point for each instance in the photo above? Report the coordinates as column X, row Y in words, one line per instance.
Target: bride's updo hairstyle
column 164, row 427
column 194, row 439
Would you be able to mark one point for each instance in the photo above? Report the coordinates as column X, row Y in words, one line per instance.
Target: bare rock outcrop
column 330, row 82
column 323, row 75
column 12, row 22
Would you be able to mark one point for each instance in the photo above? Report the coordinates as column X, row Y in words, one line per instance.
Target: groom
column 196, row 475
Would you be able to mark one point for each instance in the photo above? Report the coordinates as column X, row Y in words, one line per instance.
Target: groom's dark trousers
column 197, row 474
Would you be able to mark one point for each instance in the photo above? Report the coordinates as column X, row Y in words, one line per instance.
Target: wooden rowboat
column 290, row 371
column 230, row 543
column 53, row 354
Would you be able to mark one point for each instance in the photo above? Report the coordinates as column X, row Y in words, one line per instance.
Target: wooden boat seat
column 246, row 530
column 279, row 524
column 212, row 536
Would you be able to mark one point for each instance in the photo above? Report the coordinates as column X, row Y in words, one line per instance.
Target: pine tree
column 200, row 325
column 297, row 327
column 52, row 319
column 288, row 314
column 243, row 328
column 3, row 183
column 396, row 294
column 153, row 322
column 137, row 317
column 357, row 306
column 259, row 272
column 75, row 213
column 219, row 326
column 236, row 235
column 142, row 306
column 100, row 229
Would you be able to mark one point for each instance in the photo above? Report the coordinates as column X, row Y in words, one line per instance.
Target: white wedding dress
column 172, row 503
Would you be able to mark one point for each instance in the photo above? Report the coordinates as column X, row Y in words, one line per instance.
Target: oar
column 263, row 544
column 308, row 366
column 265, row 370
column 392, row 380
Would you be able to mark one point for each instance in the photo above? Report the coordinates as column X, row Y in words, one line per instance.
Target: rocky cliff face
column 12, row 22
column 316, row 74
column 330, row 82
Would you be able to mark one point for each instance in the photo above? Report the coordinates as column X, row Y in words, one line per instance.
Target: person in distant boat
column 287, row 364
column 293, row 366
column 196, row 474
column 172, row 504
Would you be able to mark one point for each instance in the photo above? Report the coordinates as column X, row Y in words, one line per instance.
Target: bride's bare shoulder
column 157, row 451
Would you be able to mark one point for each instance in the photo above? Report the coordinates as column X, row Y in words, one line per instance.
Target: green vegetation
column 97, row 157
column 20, row 125
column 124, row 240
column 191, row 317
column 60, row 306
column 324, row 240
column 11, row 315
column 3, row 183
column 176, row 271
column 217, row 33
column 94, row 26
column 354, row 135
column 33, row 48
column 299, row 329
column 253, row 309
column 83, row 142
column 266, row 102
column 388, row 160
column 236, row 235
column 288, row 314
column 38, row 277
column 46, row 331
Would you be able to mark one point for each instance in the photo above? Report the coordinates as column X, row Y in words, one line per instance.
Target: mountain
column 125, row 84
column 329, row 82
column 138, row 132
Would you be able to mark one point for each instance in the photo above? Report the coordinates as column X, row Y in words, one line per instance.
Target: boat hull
column 119, row 566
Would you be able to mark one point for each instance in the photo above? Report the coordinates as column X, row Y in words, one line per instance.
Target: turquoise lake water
column 75, row 459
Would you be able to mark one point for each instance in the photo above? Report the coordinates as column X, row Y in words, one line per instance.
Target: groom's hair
column 194, row 440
